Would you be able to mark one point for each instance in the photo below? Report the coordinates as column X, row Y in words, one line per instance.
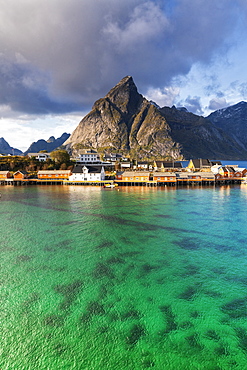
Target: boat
column 110, row 185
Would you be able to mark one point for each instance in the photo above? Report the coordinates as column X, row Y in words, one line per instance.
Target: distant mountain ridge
column 49, row 145
column 125, row 121
column 5, row 148
column 233, row 120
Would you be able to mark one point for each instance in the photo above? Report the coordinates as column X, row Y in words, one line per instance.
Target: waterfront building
column 202, row 164
column 53, row 174
column 164, row 177
column 5, row 175
column 20, row 175
column 87, row 173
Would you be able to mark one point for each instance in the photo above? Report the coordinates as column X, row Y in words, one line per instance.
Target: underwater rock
column 242, row 337
column 54, row 320
column 102, row 270
column 115, row 260
column 136, row 332
column 189, row 244
column 189, row 293
column 131, row 314
column 95, row 308
column 34, row 297
column 212, row 335
column 69, row 292
column 193, row 341
column 236, row 309
column 169, row 319
column 23, row 258
column 106, row 244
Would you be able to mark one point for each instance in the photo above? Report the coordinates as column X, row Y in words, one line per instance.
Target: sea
column 127, row 278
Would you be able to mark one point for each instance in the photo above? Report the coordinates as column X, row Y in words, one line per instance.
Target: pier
column 175, row 181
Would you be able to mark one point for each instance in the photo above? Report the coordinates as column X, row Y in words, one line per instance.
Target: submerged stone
column 95, row 308
column 69, row 292
column 193, row 341
column 169, row 319
column 131, row 314
column 189, row 243
column 136, row 332
column 236, row 308
column 189, row 293
column 23, row 258
column 102, row 270
column 54, row 320
column 212, row 335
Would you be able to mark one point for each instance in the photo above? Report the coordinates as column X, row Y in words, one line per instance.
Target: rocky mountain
column 5, row 148
column 125, row 121
column 199, row 138
column 49, row 145
column 233, row 120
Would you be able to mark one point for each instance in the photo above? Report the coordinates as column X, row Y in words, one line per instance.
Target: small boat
column 110, row 185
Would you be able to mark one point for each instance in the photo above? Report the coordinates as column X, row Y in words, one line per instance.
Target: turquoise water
column 134, row 278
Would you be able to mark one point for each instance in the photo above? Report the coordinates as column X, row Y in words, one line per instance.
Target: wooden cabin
column 162, row 166
column 20, row 175
column 164, row 177
column 135, row 176
column 202, row 164
column 5, row 175
column 54, row 174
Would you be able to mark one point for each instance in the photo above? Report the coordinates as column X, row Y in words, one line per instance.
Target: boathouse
column 87, row 173
column 163, row 178
column 5, row 175
column 54, row 174
column 20, row 175
column 135, row 176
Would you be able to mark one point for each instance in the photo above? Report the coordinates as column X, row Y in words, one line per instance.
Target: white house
column 87, row 173
column 42, row 157
column 88, row 156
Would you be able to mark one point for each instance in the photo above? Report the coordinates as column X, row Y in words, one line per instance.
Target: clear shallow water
column 130, row 279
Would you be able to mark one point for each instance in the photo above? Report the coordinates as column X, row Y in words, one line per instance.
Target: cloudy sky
column 58, row 56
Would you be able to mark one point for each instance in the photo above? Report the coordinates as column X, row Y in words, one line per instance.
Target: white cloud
column 163, row 97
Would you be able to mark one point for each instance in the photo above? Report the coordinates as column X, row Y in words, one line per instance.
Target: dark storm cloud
column 25, row 89
column 75, row 51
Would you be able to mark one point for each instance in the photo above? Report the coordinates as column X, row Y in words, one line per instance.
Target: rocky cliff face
column 200, row 138
column 49, row 145
column 125, row 121
column 5, row 148
column 233, row 120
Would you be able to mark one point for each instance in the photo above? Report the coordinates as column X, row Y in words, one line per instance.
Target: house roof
column 198, row 163
column 135, row 173
column 142, row 162
column 91, row 169
column 155, row 174
column 168, row 164
column 172, row 164
column 213, row 163
column 54, row 172
column 21, row 171
column 205, row 175
column 4, row 172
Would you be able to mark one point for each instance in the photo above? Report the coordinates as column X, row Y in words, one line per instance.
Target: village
column 116, row 170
